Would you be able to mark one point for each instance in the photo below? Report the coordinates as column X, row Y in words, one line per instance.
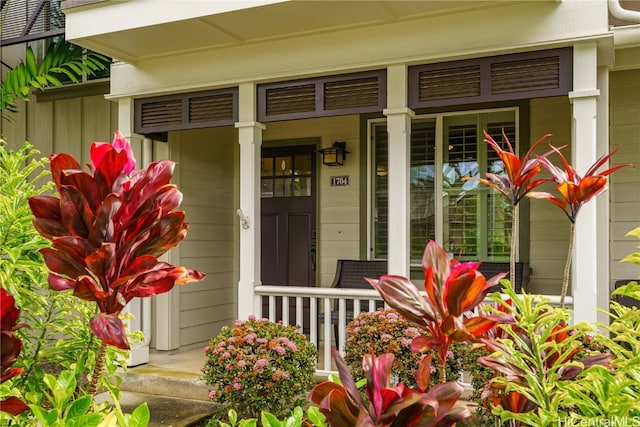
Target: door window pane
column 287, row 176
column 283, row 166
column 267, row 167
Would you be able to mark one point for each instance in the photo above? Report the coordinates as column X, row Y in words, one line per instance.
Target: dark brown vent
column 449, row 83
column 351, row 93
column 327, row 96
column 291, row 99
column 211, row 108
column 518, row 76
column 186, row 111
column 498, row 78
column 161, row 113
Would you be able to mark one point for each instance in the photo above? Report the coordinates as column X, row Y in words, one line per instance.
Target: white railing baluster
column 327, row 334
column 356, row 308
column 285, row 310
column 313, row 321
column 326, row 296
column 299, row 318
column 272, row 308
column 342, row 321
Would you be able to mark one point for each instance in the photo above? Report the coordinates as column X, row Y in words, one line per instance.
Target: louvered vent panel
column 449, row 83
column 161, row 113
column 211, row 108
column 351, row 93
column 525, row 75
column 291, row 99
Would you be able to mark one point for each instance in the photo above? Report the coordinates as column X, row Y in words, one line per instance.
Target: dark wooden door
column 288, row 220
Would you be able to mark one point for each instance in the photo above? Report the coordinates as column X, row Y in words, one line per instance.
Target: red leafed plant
column 452, row 288
column 517, row 181
column 108, row 227
column 10, row 347
column 387, row 405
column 574, row 191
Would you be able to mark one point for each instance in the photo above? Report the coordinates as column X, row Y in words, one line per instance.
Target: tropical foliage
column 573, row 192
column 385, row 331
column 386, row 405
column 62, row 59
column 107, row 229
column 452, row 288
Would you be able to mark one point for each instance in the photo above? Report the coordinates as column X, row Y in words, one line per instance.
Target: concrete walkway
column 171, row 385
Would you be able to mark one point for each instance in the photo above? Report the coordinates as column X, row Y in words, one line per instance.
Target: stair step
column 159, row 381
column 166, row 411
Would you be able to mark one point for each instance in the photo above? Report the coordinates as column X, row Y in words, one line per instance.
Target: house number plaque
column 339, row 181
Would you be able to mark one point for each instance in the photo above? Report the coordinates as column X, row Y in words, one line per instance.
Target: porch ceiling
column 121, row 30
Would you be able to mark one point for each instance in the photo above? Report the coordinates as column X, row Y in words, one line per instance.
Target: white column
column 167, row 305
column 139, row 308
column 250, row 139
column 399, row 130
column 585, row 151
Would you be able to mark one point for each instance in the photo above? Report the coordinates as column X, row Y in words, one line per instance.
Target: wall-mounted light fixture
column 334, row 155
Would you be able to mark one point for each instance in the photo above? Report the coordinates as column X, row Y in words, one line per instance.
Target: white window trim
column 439, row 143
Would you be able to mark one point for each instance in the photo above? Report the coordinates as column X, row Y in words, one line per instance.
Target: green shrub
column 385, row 331
column 57, row 341
column 260, row 365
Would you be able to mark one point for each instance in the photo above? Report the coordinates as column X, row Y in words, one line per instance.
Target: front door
column 288, row 220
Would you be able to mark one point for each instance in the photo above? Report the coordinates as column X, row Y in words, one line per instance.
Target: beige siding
column 64, row 125
column 205, row 174
column 338, row 207
column 624, row 119
column 549, row 227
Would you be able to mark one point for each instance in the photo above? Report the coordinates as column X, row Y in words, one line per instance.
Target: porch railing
column 302, row 306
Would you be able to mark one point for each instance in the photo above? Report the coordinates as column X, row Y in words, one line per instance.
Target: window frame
column 439, row 118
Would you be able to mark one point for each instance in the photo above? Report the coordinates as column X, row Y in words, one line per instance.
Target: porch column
column 250, row 139
column 140, row 308
column 399, row 129
column 589, row 141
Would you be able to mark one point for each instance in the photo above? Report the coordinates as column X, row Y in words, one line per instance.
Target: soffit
column 250, row 25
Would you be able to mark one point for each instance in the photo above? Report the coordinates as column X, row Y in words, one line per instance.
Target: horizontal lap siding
column 624, row 121
column 548, row 227
column 206, row 165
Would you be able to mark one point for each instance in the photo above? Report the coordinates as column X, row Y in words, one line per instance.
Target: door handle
column 313, row 259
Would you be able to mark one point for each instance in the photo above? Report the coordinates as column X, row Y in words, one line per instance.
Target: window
column 286, row 176
column 465, row 217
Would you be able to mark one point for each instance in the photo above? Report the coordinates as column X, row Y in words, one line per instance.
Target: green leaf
column 316, row 417
column 46, row 418
column 78, row 407
column 269, row 420
column 31, row 62
column 140, row 416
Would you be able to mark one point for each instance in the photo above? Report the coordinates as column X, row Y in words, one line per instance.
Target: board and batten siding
column 66, row 125
column 338, row 207
column 624, row 130
column 206, row 175
column 548, row 227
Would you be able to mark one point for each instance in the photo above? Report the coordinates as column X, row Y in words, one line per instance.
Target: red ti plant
column 517, row 181
column 574, row 191
column 452, row 288
column 387, row 405
column 108, row 227
column 10, row 347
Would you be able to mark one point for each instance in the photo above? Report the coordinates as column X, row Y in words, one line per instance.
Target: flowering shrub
column 260, row 365
column 385, row 331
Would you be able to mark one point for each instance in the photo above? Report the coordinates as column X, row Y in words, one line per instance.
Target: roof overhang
column 137, row 30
